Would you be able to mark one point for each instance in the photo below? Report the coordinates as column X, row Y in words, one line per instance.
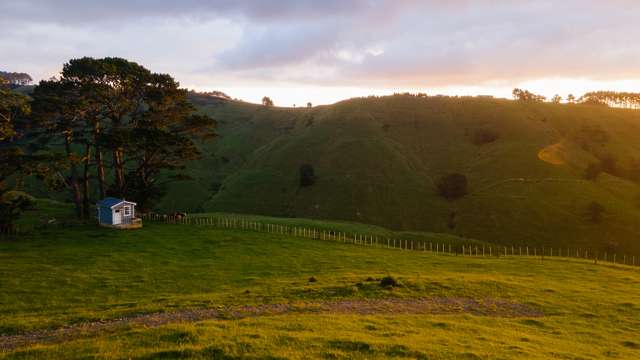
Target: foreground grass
column 85, row 274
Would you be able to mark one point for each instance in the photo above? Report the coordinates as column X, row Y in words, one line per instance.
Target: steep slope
column 377, row 160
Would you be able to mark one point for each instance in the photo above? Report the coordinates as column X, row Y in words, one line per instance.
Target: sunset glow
column 299, row 52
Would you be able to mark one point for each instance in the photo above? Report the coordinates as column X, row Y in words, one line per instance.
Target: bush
column 307, row 175
column 12, row 204
column 609, row 164
column 388, row 281
column 452, row 186
column 26, row 201
column 484, row 136
column 592, row 171
column 595, row 211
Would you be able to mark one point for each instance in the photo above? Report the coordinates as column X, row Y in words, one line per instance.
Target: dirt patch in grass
column 435, row 306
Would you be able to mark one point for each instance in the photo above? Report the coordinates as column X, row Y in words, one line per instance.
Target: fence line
column 10, row 230
column 464, row 250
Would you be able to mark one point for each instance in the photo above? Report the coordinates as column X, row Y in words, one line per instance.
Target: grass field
column 240, row 294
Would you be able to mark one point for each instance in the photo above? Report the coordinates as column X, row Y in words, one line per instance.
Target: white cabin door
column 117, row 217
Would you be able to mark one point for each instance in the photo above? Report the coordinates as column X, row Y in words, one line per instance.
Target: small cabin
column 117, row 213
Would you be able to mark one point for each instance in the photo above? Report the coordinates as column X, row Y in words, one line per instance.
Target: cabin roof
column 111, row 202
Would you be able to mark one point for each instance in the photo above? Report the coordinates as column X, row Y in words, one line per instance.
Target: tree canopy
column 113, row 116
column 266, row 101
column 526, row 95
column 15, row 79
column 626, row 100
column 13, row 109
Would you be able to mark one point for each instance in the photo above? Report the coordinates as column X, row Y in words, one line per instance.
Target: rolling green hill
column 378, row 160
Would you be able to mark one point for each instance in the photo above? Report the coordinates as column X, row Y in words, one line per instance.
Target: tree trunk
column 85, row 181
column 73, row 180
column 118, row 157
column 99, row 161
column 118, row 164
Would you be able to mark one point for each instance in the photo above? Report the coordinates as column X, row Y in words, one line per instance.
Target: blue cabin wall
column 106, row 216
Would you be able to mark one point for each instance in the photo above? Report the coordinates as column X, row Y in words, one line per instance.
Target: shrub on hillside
column 307, row 175
column 609, row 164
column 388, row 281
column 484, row 136
column 452, row 186
column 590, row 138
column 594, row 212
column 592, row 171
column 12, row 204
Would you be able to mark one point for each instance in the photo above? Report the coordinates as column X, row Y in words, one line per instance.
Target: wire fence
column 464, row 250
column 16, row 231
column 10, row 230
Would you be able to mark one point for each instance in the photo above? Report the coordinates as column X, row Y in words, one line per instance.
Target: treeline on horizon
column 626, row 100
column 15, row 79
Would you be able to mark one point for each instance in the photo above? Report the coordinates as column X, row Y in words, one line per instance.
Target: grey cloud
column 456, row 43
column 69, row 12
column 329, row 42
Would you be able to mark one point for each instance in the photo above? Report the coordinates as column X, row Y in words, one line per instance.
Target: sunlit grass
column 84, row 274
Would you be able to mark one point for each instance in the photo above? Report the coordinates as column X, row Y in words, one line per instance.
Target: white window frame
column 126, row 210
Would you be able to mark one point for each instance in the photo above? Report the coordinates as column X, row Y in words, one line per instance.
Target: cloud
column 359, row 43
column 71, row 12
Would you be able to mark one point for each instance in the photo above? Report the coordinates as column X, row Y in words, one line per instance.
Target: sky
column 299, row 51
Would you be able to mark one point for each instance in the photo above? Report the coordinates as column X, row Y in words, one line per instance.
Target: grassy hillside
column 378, row 160
column 178, row 291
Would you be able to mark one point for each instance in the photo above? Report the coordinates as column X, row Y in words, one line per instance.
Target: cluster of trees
column 266, row 101
column 214, row 94
column 420, row 95
column 14, row 159
column 526, row 95
column 111, row 127
column 14, row 79
column 627, row 100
